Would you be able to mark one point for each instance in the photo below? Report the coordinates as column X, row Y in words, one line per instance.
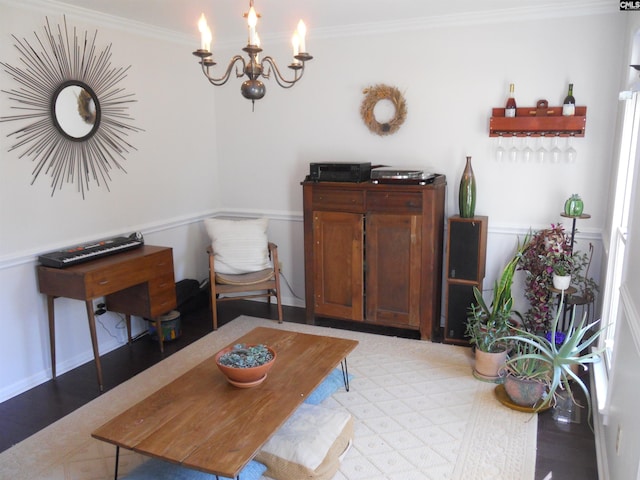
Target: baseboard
column 599, row 435
column 41, row 377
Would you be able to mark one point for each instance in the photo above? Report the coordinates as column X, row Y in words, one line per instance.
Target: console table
column 138, row 282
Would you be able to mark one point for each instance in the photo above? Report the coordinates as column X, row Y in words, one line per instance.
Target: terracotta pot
column 489, row 365
column 245, row 377
column 524, row 392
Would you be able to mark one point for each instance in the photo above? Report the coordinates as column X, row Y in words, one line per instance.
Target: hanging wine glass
column 541, row 152
column 527, row 151
column 500, row 150
column 513, row 151
column 570, row 153
column 556, row 153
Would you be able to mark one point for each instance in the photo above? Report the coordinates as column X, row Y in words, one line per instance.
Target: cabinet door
column 338, row 272
column 393, row 258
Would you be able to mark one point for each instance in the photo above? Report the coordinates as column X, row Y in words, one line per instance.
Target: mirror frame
column 54, row 114
column 58, row 59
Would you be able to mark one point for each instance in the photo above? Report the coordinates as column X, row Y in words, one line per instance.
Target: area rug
column 420, row 415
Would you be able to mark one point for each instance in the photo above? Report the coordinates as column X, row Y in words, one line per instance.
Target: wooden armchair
column 263, row 283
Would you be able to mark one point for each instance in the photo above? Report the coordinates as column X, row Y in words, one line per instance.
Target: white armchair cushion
column 239, row 246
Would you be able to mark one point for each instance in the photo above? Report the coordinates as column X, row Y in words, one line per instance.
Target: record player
column 402, row 176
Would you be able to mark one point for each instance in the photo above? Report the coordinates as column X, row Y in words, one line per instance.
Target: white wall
column 169, row 185
column 451, row 78
column 204, row 152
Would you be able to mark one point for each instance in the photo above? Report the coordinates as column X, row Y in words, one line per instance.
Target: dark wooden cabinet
column 338, row 263
column 393, row 269
column 373, row 253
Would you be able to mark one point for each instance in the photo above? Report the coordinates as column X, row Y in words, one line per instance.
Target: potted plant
column 562, row 269
column 527, row 379
column 537, row 263
column 547, row 248
column 561, row 356
column 490, row 350
column 245, row 365
column 487, row 325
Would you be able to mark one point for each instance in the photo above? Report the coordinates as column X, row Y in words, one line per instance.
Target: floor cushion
column 328, row 387
column 155, row 469
column 309, row 445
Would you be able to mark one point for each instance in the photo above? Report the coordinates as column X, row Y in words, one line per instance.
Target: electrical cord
column 107, row 330
column 101, row 310
column 289, row 286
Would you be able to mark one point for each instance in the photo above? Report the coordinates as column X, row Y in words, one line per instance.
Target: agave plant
column 521, row 365
column 559, row 357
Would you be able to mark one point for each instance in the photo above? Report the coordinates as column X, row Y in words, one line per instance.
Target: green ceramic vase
column 573, row 206
column 467, row 193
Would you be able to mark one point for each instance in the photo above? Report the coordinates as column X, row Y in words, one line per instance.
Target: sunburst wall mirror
column 74, row 110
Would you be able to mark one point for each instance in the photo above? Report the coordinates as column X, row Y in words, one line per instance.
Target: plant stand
column 583, row 216
column 571, row 300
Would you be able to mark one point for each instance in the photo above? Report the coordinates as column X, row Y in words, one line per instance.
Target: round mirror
column 75, row 110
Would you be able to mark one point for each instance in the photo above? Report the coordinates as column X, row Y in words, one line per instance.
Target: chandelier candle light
column 254, row 68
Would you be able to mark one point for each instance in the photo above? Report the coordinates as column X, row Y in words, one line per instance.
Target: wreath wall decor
column 373, row 96
column 70, row 96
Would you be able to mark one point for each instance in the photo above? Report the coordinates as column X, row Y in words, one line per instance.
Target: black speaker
column 467, row 248
column 459, row 299
column 466, row 257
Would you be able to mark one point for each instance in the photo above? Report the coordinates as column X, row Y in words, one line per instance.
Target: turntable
column 401, row 176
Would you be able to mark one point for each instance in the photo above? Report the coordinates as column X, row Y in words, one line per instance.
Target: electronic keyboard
column 91, row 251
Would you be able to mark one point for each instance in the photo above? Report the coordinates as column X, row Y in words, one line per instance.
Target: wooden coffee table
column 202, row 422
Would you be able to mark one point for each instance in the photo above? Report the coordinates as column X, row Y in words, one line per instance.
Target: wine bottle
column 569, row 104
column 510, row 109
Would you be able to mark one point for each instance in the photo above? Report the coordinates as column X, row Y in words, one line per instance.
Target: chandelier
column 253, row 67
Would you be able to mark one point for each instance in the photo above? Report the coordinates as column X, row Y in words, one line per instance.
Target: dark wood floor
column 566, row 450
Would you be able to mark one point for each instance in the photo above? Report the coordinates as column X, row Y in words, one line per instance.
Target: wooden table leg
column 94, row 341
column 52, row 333
column 160, row 333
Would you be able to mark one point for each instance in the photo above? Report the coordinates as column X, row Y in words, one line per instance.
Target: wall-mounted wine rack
column 537, row 121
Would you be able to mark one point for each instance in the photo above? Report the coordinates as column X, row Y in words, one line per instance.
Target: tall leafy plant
column 487, row 324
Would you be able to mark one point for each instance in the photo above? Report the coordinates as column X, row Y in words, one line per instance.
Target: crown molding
column 519, row 14
column 515, row 14
column 73, row 12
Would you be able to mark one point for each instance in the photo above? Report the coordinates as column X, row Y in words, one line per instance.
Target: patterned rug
column 420, row 415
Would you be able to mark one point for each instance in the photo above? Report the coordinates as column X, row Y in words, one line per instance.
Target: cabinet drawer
column 162, row 287
column 162, row 262
column 337, row 200
column 162, row 302
column 396, row 202
column 160, row 284
column 117, row 277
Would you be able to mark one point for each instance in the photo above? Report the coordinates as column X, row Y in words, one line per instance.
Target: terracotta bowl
column 245, row 377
